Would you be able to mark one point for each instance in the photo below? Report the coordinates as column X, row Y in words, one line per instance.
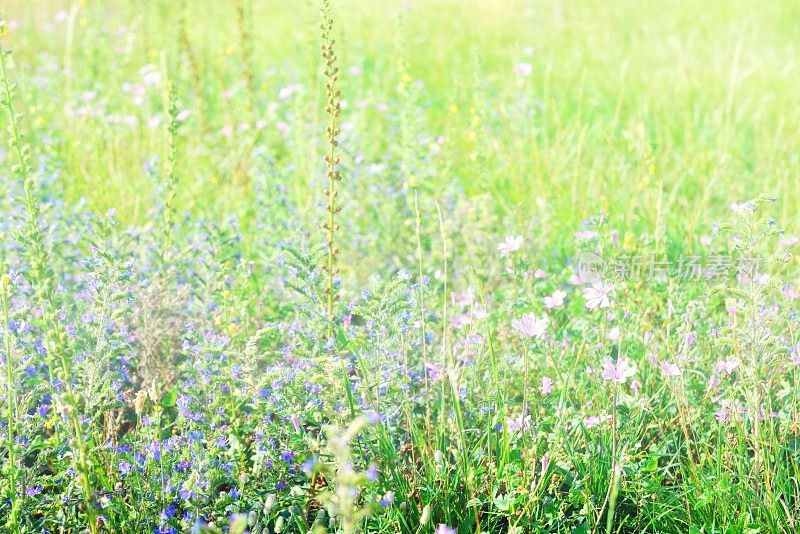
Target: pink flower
column 636, row 386
column 713, row 382
column 528, row 325
column 444, row 529
column 594, row 420
column 523, row 69
column 727, row 366
column 150, row 76
column 585, row 235
column 556, row 300
column 346, row 321
column 434, row 372
column 510, row 245
column 545, row 463
column 790, row 292
column 295, row 423
column 539, row 274
column 515, row 424
column 619, row 372
column 790, row 240
column 670, row 369
column 795, row 352
column 597, row 295
column 723, row 415
column 547, row 385
column 613, row 334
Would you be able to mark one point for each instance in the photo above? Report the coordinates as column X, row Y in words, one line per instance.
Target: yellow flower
column 233, row 328
column 3, row 28
column 5, row 281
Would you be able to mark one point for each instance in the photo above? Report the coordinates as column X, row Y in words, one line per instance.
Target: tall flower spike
column 332, row 108
column 171, row 185
column 45, row 286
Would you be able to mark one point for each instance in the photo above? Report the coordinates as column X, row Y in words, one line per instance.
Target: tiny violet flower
column 372, row 473
column 444, row 529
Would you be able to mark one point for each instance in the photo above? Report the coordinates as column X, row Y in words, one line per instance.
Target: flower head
column 556, row 300
column 795, row 354
column 670, row 369
column 618, row 372
column 515, row 424
column 597, row 295
column 523, row 69
column 727, row 366
column 510, row 245
column 547, row 385
column 530, row 326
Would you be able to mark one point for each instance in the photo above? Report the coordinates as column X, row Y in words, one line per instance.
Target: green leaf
column 169, row 398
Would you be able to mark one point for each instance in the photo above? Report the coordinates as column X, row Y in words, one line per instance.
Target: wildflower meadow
column 437, row 266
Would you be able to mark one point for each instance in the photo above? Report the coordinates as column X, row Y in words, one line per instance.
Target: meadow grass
column 706, row 91
column 441, row 266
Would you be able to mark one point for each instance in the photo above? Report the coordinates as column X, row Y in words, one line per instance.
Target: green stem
column 11, row 409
